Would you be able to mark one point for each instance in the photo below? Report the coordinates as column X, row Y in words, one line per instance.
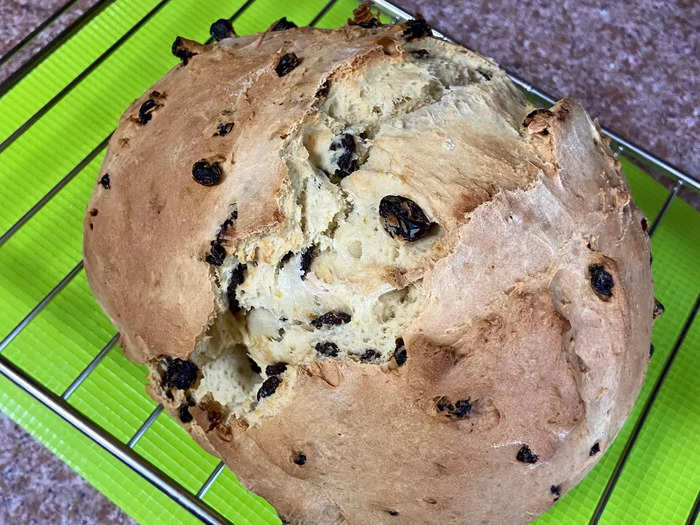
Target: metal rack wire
column 124, row 452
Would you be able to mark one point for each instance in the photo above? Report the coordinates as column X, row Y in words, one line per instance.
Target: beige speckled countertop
column 633, row 64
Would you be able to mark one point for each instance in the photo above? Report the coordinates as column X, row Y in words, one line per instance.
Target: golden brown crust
column 512, row 326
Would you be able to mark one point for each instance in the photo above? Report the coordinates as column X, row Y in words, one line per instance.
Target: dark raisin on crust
column 556, row 491
column 460, row 409
column 525, row 455
column 178, row 49
column 221, row 29
column 420, row 53
column 594, row 449
column 180, row 374
column 223, row 129
column 369, row 355
column 331, row 318
column 104, row 181
column 327, row 349
column 93, row 212
column 255, row 367
column 393, row 512
column 651, row 350
column 323, row 89
column 601, row 281
column 300, row 458
column 400, row 354
column 269, row 386
column 417, row 28
column 286, row 64
column 282, row 25
column 184, row 413
column 205, row 173
column 401, row 217
column 645, row 224
column 307, row 256
column 658, row 309
column 146, row 109
column 237, row 277
column 275, row 369
column 216, row 255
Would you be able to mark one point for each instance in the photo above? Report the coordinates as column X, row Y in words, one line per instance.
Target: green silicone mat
column 658, row 484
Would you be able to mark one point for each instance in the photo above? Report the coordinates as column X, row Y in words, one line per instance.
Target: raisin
column 288, row 62
column 331, row 318
column 276, row 369
column 400, row 354
column 651, row 350
column 556, row 491
column 594, row 449
column 216, row 254
column 285, row 259
column 346, row 165
column 393, row 512
column 601, row 281
column 237, row 277
column 420, row 53
column 93, row 212
column 369, row 355
column 268, row 387
column 417, row 28
column 306, row 256
column 221, row 234
column 146, row 109
column 104, row 180
column 223, row 129
column 282, row 25
column 345, row 141
column 255, row 367
column 444, row 404
column 178, row 49
column 323, row 89
column 327, row 349
column 645, row 224
column 525, row 455
column 205, row 173
column 300, row 459
column 169, row 395
column 221, row 29
column 180, row 374
column 184, row 411
column 401, row 217
column 658, row 309
column 460, row 409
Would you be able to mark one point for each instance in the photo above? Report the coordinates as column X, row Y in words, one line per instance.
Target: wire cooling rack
column 650, row 474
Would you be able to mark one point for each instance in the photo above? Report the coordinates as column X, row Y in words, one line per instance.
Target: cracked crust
column 510, row 323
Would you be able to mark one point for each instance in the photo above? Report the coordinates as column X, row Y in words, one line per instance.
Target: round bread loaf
column 370, row 276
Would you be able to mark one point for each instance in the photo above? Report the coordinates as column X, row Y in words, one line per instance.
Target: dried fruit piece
column 658, row 309
column 104, row 180
column 460, row 409
column 556, row 491
column 525, row 455
column 287, row 63
column 205, row 173
column 331, row 318
column 601, row 281
column 221, row 29
column 369, row 355
column 417, row 28
column 180, row 51
column 306, row 257
column 282, row 25
column 594, row 449
column 146, row 109
column 268, row 387
column 401, row 217
column 184, row 413
column 323, row 89
column 327, row 349
column 237, row 277
column 275, row 369
column 180, row 374
column 300, row 458
column 223, row 129
column 347, row 160
column 216, row 255
column 255, row 367
column 400, row 354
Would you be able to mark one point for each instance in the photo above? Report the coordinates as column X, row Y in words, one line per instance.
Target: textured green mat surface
column 662, row 475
